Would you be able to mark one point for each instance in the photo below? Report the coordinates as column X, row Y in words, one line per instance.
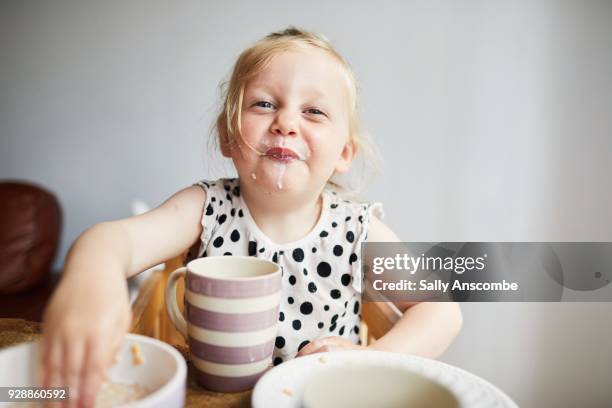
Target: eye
column 264, row 104
column 315, row 111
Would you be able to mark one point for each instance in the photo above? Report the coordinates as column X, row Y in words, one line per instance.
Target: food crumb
column 322, row 359
column 288, row 392
column 136, row 356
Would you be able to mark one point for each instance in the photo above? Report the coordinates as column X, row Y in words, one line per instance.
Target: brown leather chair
column 30, row 223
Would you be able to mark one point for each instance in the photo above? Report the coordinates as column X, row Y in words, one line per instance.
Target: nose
column 284, row 124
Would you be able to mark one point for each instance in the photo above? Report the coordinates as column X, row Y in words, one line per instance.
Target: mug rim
column 234, row 278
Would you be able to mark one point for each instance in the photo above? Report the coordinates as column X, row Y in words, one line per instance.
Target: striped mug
column 231, row 309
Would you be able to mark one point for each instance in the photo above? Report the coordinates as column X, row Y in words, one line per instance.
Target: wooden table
column 15, row 331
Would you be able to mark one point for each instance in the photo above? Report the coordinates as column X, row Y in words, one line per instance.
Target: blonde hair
column 255, row 58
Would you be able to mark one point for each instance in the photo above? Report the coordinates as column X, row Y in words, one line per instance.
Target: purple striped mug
column 231, row 308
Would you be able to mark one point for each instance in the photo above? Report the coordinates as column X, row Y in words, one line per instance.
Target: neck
column 283, row 216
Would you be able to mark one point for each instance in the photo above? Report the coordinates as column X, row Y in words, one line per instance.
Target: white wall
column 492, row 116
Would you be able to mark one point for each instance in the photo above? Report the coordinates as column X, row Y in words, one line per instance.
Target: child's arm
column 89, row 312
column 426, row 329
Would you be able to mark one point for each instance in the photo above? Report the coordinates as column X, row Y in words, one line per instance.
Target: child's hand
column 335, row 343
column 84, row 325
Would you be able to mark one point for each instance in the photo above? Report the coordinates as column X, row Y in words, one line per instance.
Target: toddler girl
column 289, row 124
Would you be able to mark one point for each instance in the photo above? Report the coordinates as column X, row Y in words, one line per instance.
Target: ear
column 226, row 144
column 346, row 156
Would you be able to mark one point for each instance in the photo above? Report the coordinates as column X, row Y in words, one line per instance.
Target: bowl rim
column 178, row 379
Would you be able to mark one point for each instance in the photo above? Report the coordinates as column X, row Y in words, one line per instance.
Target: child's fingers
column 52, row 362
column 93, row 372
column 324, row 344
column 74, row 352
column 315, row 346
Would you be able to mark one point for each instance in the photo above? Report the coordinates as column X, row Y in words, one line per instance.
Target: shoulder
column 366, row 214
column 192, row 197
column 379, row 232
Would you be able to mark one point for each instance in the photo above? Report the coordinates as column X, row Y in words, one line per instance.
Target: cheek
column 252, row 126
column 328, row 143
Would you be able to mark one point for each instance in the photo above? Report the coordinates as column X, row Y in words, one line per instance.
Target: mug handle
column 171, row 307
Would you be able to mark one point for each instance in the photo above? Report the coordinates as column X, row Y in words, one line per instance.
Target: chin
column 278, row 183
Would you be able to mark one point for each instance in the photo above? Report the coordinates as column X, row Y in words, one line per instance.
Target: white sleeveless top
column 321, row 273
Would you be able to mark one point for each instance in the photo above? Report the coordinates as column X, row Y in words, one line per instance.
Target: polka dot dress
column 321, row 276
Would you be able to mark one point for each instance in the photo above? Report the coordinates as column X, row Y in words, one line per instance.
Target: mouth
column 282, row 154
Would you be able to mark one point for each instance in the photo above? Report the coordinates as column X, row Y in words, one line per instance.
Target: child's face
column 295, row 123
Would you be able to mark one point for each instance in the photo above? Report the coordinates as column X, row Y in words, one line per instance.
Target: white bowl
column 364, row 386
column 164, row 370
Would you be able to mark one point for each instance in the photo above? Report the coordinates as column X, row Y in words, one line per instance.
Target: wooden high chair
column 149, row 315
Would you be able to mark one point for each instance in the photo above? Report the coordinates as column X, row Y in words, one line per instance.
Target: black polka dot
column 275, row 257
column 350, row 237
column 323, row 234
column 326, row 308
column 235, row 236
column 218, row 242
column 220, row 202
column 334, row 224
column 228, row 197
column 281, row 316
column 303, row 344
column 305, row 271
column 298, row 255
column 297, row 325
column 306, row 308
column 352, row 258
column 356, row 307
column 332, row 327
column 252, row 248
column 347, row 218
column 209, row 210
column 334, row 206
column 233, row 212
column 240, row 213
column 334, row 318
column 280, row 342
column 345, row 279
column 338, row 250
column 261, row 250
column 323, row 269
column 236, row 191
column 226, row 187
column 314, row 250
column 335, row 294
column 213, row 199
column 345, row 304
column 277, row 360
column 320, row 325
column 227, row 254
column 356, row 329
column 222, row 219
column 312, row 288
column 341, row 331
column 292, row 280
column 360, row 219
column 290, row 300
